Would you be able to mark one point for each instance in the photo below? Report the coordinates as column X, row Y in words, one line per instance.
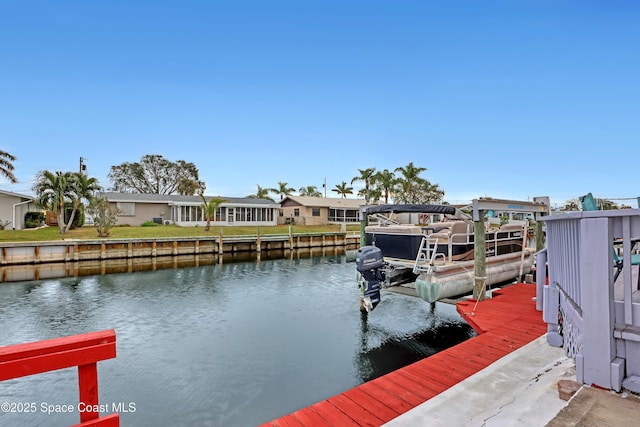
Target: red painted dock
column 504, row 323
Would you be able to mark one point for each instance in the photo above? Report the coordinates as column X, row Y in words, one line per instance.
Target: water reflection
column 31, row 272
column 396, row 351
column 220, row 344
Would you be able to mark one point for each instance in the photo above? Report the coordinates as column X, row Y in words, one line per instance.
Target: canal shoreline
column 73, row 250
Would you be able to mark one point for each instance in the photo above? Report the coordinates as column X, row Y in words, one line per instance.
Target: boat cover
column 438, row 209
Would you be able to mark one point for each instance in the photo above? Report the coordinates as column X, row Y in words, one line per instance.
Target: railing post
column 88, row 391
column 596, row 260
column 541, row 277
column 83, row 351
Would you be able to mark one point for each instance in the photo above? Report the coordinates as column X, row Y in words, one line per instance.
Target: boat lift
column 539, row 207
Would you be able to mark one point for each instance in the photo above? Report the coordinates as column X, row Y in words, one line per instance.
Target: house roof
column 322, row 202
column 11, row 193
column 175, row 198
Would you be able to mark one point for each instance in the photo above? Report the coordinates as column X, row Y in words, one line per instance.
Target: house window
column 296, row 212
column 126, row 208
column 281, row 212
column 220, row 214
column 315, row 212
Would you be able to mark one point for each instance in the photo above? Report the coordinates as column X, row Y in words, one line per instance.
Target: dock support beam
column 479, row 256
column 364, row 221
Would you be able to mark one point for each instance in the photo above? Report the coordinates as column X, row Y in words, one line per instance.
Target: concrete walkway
column 509, row 392
column 521, row 389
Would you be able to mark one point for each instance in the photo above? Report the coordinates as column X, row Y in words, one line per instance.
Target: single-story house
column 305, row 210
column 136, row 208
column 13, row 207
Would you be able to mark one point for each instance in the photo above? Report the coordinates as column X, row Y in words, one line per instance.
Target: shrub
column 149, row 224
column 104, row 215
column 33, row 219
column 78, row 219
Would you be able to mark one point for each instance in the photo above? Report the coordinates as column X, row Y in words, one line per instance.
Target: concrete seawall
column 18, row 253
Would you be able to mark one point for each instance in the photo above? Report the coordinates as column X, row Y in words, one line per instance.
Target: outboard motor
column 370, row 265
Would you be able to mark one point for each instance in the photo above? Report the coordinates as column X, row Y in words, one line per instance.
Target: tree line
column 65, row 193
column 157, row 175
column 68, row 193
column 403, row 185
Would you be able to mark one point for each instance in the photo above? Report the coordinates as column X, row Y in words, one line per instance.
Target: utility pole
column 83, row 166
column 324, row 185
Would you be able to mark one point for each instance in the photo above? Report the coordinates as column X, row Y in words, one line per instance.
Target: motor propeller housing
column 370, row 265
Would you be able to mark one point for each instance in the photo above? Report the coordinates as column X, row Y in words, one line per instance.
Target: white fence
column 595, row 320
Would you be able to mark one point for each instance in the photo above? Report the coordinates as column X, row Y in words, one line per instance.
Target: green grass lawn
column 89, row 232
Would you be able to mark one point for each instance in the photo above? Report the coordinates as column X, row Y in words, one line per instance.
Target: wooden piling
column 479, row 254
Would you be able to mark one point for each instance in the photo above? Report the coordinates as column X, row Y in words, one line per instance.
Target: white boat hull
column 458, row 278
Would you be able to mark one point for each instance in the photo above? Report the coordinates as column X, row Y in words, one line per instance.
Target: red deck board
column 429, row 386
column 308, row 417
column 286, row 421
column 379, row 394
column 401, row 391
column 359, row 396
column 362, row 415
column 504, row 323
column 333, row 415
column 419, row 388
column 429, row 374
column 468, row 358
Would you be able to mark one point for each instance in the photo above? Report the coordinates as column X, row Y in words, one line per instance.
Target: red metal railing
column 83, row 351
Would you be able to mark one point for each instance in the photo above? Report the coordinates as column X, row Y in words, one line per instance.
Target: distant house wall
column 304, row 215
column 137, row 213
column 186, row 211
column 13, row 207
column 319, row 210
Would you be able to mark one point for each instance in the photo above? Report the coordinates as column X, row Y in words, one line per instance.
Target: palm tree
column 375, row 194
column 411, row 178
column 80, row 187
column 310, row 191
column 572, row 205
column 262, row 193
column 6, row 167
column 385, row 181
column 417, row 190
column 366, row 175
column 343, row 190
column 209, row 208
column 282, row 189
column 52, row 191
column 189, row 187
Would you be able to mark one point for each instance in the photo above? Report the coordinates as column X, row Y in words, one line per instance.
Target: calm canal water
column 234, row 344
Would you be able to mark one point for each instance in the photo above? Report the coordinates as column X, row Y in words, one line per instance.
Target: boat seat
column 511, row 227
column 458, row 231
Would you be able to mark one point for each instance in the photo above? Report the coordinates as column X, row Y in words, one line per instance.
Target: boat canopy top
column 417, row 208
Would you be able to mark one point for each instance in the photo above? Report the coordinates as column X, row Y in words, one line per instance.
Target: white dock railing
column 596, row 321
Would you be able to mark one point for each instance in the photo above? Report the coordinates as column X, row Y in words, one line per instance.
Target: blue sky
column 507, row 99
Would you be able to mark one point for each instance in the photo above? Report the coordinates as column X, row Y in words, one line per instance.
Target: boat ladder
column 423, row 256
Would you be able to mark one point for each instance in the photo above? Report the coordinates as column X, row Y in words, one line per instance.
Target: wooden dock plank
column 401, row 391
column 309, row 417
column 419, row 388
column 333, row 415
column 504, row 323
column 378, row 407
column 392, row 401
column 286, row 421
column 361, row 414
